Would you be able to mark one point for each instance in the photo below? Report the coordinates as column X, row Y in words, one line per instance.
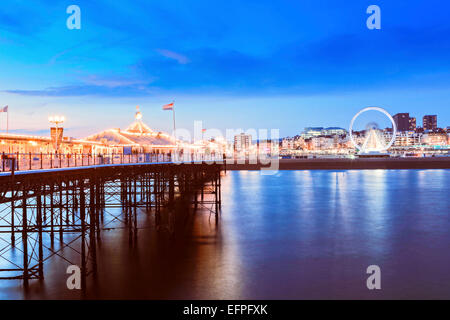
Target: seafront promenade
column 346, row 164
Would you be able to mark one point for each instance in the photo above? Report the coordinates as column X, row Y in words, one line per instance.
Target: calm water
column 294, row 235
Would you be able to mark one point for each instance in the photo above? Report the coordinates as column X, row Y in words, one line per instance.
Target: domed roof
column 137, row 133
column 138, row 126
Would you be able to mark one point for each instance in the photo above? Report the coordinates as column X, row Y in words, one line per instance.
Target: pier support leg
column 83, row 234
column 25, row 238
column 39, row 225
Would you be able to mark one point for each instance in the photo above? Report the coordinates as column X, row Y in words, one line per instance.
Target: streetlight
column 56, row 120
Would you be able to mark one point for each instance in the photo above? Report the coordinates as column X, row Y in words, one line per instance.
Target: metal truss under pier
column 69, row 207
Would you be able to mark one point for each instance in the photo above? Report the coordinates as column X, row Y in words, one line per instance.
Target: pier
column 45, row 211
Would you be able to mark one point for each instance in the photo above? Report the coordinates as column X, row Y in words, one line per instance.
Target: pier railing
column 38, row 161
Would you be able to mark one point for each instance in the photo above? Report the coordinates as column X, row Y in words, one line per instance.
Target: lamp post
column 56, row 120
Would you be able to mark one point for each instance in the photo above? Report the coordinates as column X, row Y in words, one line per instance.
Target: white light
column 56, row 119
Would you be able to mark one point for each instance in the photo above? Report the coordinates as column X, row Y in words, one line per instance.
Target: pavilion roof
column 137, row 133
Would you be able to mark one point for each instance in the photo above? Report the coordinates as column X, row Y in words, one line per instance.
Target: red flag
column 168, row 106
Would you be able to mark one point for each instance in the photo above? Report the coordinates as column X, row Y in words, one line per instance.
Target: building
column 405, row 139
column 268, row 147
column 310, row 132
column 324, row 143
column 242, row 142
column 333, row 131
column 404, row 122
column 430, row 122
column 435, row 139
column 288, row 144
column 412, row 124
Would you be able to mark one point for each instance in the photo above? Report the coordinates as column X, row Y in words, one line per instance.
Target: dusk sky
column 232, row 64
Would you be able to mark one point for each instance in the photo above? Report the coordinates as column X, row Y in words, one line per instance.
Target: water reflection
column 297, row 235
column 318, row 231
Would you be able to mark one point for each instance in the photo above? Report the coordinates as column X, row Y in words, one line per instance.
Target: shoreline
column 348, row 164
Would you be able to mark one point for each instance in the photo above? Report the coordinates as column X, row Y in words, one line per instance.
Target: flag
column 168, row 106
column 4, row 109
column 203, row 130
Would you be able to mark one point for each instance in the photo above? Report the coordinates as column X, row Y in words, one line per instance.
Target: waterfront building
column 242, row 142
column 404, row 122
column 268, row 147
column 324, row 142
column 332, row 131
column 430, row 122
column 435, row 139
column 288, row 144
column 299, row 142
column 412, row 124
column 405, row 139
column 310, row 132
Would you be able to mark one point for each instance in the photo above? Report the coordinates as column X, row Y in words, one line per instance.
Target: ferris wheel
column 372, row 141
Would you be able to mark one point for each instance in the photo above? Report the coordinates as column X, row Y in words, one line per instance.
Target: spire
column 138, row 115
column 138, row 126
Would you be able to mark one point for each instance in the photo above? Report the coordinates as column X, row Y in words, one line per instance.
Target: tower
column 430, row 122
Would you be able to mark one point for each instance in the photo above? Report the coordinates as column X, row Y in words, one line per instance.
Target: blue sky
column 232, row 64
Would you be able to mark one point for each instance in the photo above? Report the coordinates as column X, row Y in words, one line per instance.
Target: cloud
column 341, row 62
column 181, row 59
column 96, row 85
column 88, row 90
column 115, row 82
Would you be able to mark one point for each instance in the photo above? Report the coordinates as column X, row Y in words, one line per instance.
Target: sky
column 231, row 64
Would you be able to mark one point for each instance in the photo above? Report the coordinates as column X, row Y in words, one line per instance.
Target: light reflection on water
column 295, row 235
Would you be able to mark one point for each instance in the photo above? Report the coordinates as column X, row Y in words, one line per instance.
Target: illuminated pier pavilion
column 137, row 138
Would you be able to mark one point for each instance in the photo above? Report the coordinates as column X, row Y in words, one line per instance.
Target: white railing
column 33, row 161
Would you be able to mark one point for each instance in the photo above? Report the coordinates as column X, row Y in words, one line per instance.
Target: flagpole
column 174, row 128
column 7, row 120
column 173, row 115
